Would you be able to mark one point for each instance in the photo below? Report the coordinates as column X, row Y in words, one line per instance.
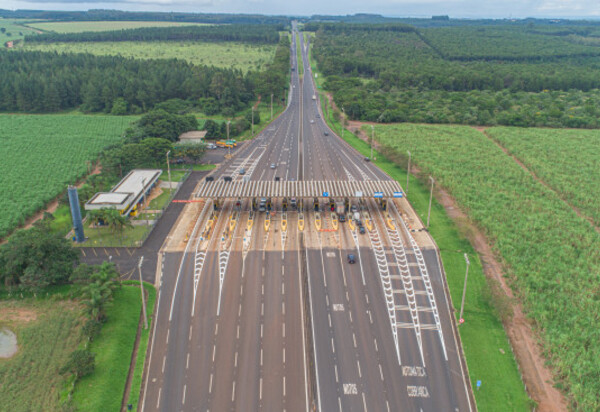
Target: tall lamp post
column 430, row 198
column 252, row 120
column 229, row 151
column 343, row 117
column 142, row 290
column 372, row 137
column 408, row 170
column 169, row 172
column 271, row 106
column 462, row 303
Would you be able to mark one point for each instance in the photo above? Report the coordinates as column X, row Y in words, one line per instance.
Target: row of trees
column 253, row 34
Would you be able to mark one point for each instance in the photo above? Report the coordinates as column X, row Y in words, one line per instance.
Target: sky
column 395, row 8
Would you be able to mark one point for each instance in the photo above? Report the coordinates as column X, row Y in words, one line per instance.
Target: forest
column 51, row 82
column 490, row 75
column 253, row 34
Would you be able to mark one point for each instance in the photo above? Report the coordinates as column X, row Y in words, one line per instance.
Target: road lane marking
column 337, row 378
column 158, row 399
column 282, row 288
column 216, row 329
column 233, row 393
column 240, row 310
column 190, row 335
column 364, row 402
column 283, row 308
column 354, row 339
column 350, row 315
column 210, row 384
column 417, row 392
column 359, row 371
column 261, row 330
column 235, row 362
column 367, row 298
column 187, row 362
column 283, row 329
column 376, row 348
column 214, row 350
column 183, row 398
column 332, row 346
column 350, row 389
column 238, row 332
column 260, row 390
column 381, row 372
column 387, row 404
column 370, row 316
column 262, row 309
column 261, row 357
column 284, row 386
column 168, row 331
column 163, row 366
column 284, row 356
column 329, row 316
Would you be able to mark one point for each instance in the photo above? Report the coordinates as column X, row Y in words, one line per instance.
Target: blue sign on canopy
column 325, row 194
column 378, row 194
column 398, row 194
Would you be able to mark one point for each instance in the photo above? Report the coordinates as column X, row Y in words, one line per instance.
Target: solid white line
column 210, row 384
column 303, row 336
column 183, row 398
column 152, row 347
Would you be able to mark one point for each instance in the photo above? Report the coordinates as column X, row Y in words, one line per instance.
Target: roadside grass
column 103, row 389
column 83, row 26
column 299, row 65
column 62, row 222
column 136, row 382
column 48, row 330
column 104, row 236
column 487, row 350
column 235, row 55
column 159, row 202
column 207, row 166
column 176, row 175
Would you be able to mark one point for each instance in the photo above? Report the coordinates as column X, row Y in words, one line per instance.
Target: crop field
column 42, row 154
column 83, row 26
column 47, row 331
column 14, row 30
column 551, row 255
column 227, row 54
column 566, row 160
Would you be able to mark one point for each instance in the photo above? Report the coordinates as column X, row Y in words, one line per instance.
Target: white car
column 273, row 166
column 312, row 121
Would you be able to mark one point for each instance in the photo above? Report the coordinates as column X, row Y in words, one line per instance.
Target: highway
column 256, row 314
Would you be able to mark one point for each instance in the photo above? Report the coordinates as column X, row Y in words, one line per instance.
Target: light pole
column 462, row 303
column 143, row 191
column 229, row 146
column 372, row 137
column 430, row 198
column 169, row 172
column 343, row 117
column 142, row 291
column 408, row 170
column 252, row 120
column 271, row 106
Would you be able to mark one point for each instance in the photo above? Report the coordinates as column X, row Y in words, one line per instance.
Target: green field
column 42, row 154
column 15, row 29
column 83, row 26
column 550, row 254
column 47, row 331
column 224, row 54
column 488, row 354
column 567, row 160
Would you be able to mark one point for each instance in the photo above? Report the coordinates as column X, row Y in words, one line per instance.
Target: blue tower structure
column 76, row 214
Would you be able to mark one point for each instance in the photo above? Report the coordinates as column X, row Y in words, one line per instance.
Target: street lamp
column 229, row 146
column 430, row 198
column 252, row 120
column 271, row 106
column 142, row 290
column 408, row 170
column 372, row 137
column 462, row 304
column 343, row 117
column 169, row 172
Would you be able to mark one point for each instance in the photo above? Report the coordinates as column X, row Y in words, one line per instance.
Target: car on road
column 342, row 217
column 354, row 208
column 361, row 230
column 318, row 116
column 326, row 133
column 367, row 159
column 351, row 259
column 273, row 166
column 242, row 171
column 311, row 121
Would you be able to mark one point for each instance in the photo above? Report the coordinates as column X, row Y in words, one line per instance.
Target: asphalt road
column 262, row 316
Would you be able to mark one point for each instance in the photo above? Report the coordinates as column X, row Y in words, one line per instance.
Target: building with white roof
column 128, row 193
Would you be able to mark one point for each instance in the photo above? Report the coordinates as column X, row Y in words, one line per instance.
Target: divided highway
column 256, row 314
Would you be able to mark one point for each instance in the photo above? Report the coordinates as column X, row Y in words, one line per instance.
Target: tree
column 37, row 256
column 213, row 130
column 119, row 107
column 98, row 287
column 81, row 362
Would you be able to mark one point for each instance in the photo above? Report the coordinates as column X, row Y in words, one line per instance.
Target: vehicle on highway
column 273, row 166
column 242, row 171
column 262, row 206
column 354, row 208
column 294, row 203
column 311, row 121
column 342, row 218
column 318, row 116
column 314, row 97
column 351, row 258
column 209, row 178
column 361, row 230
column 326, row 133
column 367, row 159
column 227, row 178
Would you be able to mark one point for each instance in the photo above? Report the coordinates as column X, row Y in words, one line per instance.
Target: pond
column 8, row 343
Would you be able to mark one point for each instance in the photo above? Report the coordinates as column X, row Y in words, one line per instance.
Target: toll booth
column 254, row 204
column 316, row 204
column 238, row 204
column 383, row 203
column 332, row 204
column 216, row 205
column 346, row 204
column 269, row 204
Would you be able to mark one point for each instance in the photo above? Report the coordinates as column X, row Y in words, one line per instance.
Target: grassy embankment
column 486, row 347
column 14, row 30
column 104, row 388
column 240, row 56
